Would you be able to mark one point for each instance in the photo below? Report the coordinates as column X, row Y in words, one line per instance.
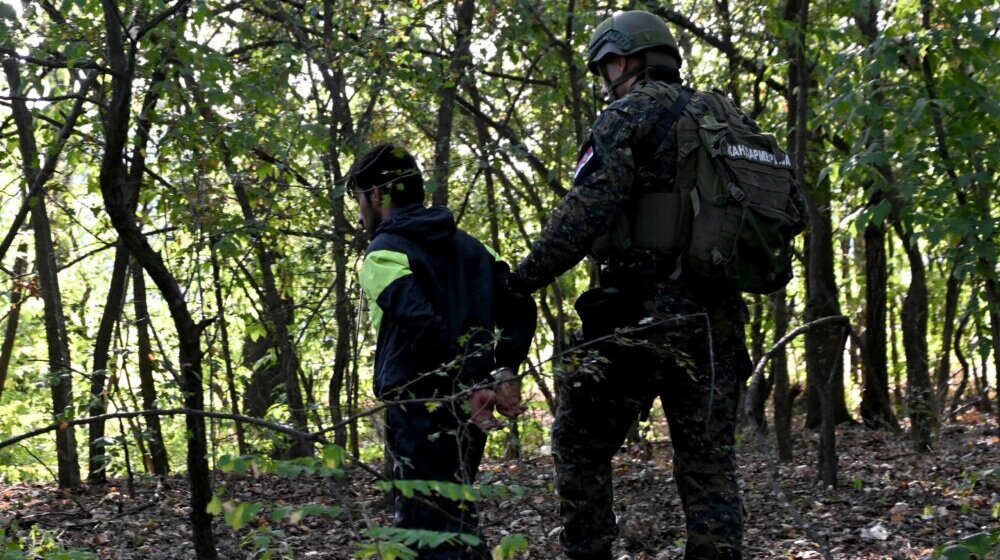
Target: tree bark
column 157, row 449
column 756, row 351
column 920, row 392
column 779, row 373
column 102, row 344
column 821, row 283
column 57, row 340
column 115, row 193
column 957, row 345
column 876, row 408
column 981, row 190
column 993, row 300
column 943, row 375
column 461, row 59
column 227, row 357
column 983, row 380
column 13, row 315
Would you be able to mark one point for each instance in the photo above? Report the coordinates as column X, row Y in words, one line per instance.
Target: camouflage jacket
column 615, row 160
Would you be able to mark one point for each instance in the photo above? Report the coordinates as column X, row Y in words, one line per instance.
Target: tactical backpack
column 735, row 209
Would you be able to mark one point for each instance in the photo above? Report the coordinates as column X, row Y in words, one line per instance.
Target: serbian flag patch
column 584, row 160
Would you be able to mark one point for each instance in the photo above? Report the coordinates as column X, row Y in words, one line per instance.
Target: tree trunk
column 827, row 438
column 821, row 283
column 115, row 193
column 943, row 375
column 957, row 345
column 779, row 373
column 756, row 351
column 983, row 381
column 102, row 345
column 355, row 395
column 897, row 388
column 876, row 408
column 58, row 343
column 343, row 316
column 920, row 392
column 157, row 449
column 60, row 378
column 279, row 318
column 993, row 300
column 16, row 299
column 460, row 60
column 227, row 357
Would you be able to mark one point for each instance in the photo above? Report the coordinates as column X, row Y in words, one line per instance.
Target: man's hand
column 517, row 285
column 508, row 394
column 481, row 403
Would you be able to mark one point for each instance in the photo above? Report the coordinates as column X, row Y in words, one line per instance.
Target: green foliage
column 38, row 543
column 974, row 547
column 451, row 490
column 329, row 463
column 267, row 544
column 509, row 546
column 386, row 551
column 399, row 543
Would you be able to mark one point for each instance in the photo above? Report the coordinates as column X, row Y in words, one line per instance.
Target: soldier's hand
column 508, row 394
column 481, row 403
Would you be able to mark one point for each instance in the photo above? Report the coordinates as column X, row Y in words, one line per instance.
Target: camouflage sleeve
column 601, row 186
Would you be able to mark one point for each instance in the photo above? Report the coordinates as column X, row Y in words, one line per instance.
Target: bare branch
column 54, row 63
column 159, row 18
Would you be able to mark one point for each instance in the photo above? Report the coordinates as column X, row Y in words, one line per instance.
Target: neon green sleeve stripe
column 489, row 249
column 380, row 269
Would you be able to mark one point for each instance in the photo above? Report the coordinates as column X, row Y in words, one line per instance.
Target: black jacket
column 437, row 298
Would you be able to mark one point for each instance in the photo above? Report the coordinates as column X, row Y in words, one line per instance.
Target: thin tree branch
column 159, row 18
column 51, row 159
column 50, row 63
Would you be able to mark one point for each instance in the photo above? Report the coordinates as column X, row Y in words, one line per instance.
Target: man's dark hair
column 392, row 168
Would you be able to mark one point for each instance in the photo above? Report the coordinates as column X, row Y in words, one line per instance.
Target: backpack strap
column 673, row 114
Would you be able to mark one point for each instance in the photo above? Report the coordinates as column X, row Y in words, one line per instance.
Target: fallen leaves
column 890, row 504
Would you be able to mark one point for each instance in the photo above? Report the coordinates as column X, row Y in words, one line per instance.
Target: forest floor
column 890, row 503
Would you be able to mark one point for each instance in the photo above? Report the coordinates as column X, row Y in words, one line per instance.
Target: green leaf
column 226, row 247
column 280, row 513
column 509, row 546
column 214, row 506
column 334, row 456
column 956, row 552
column 238, row 516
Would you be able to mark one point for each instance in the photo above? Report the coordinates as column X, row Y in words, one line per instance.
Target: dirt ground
column 889, row 503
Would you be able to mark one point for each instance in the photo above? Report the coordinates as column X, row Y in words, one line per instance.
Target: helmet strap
column 628, row 75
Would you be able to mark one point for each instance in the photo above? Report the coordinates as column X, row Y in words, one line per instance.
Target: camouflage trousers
column 614, row 381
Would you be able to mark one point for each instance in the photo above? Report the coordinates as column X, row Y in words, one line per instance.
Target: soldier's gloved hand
column 481, row 403
column 508, row 394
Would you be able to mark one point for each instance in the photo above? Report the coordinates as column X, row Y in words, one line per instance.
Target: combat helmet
column 631, row 32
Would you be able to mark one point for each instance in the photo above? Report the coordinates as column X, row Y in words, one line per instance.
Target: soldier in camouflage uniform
column 680, row 341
